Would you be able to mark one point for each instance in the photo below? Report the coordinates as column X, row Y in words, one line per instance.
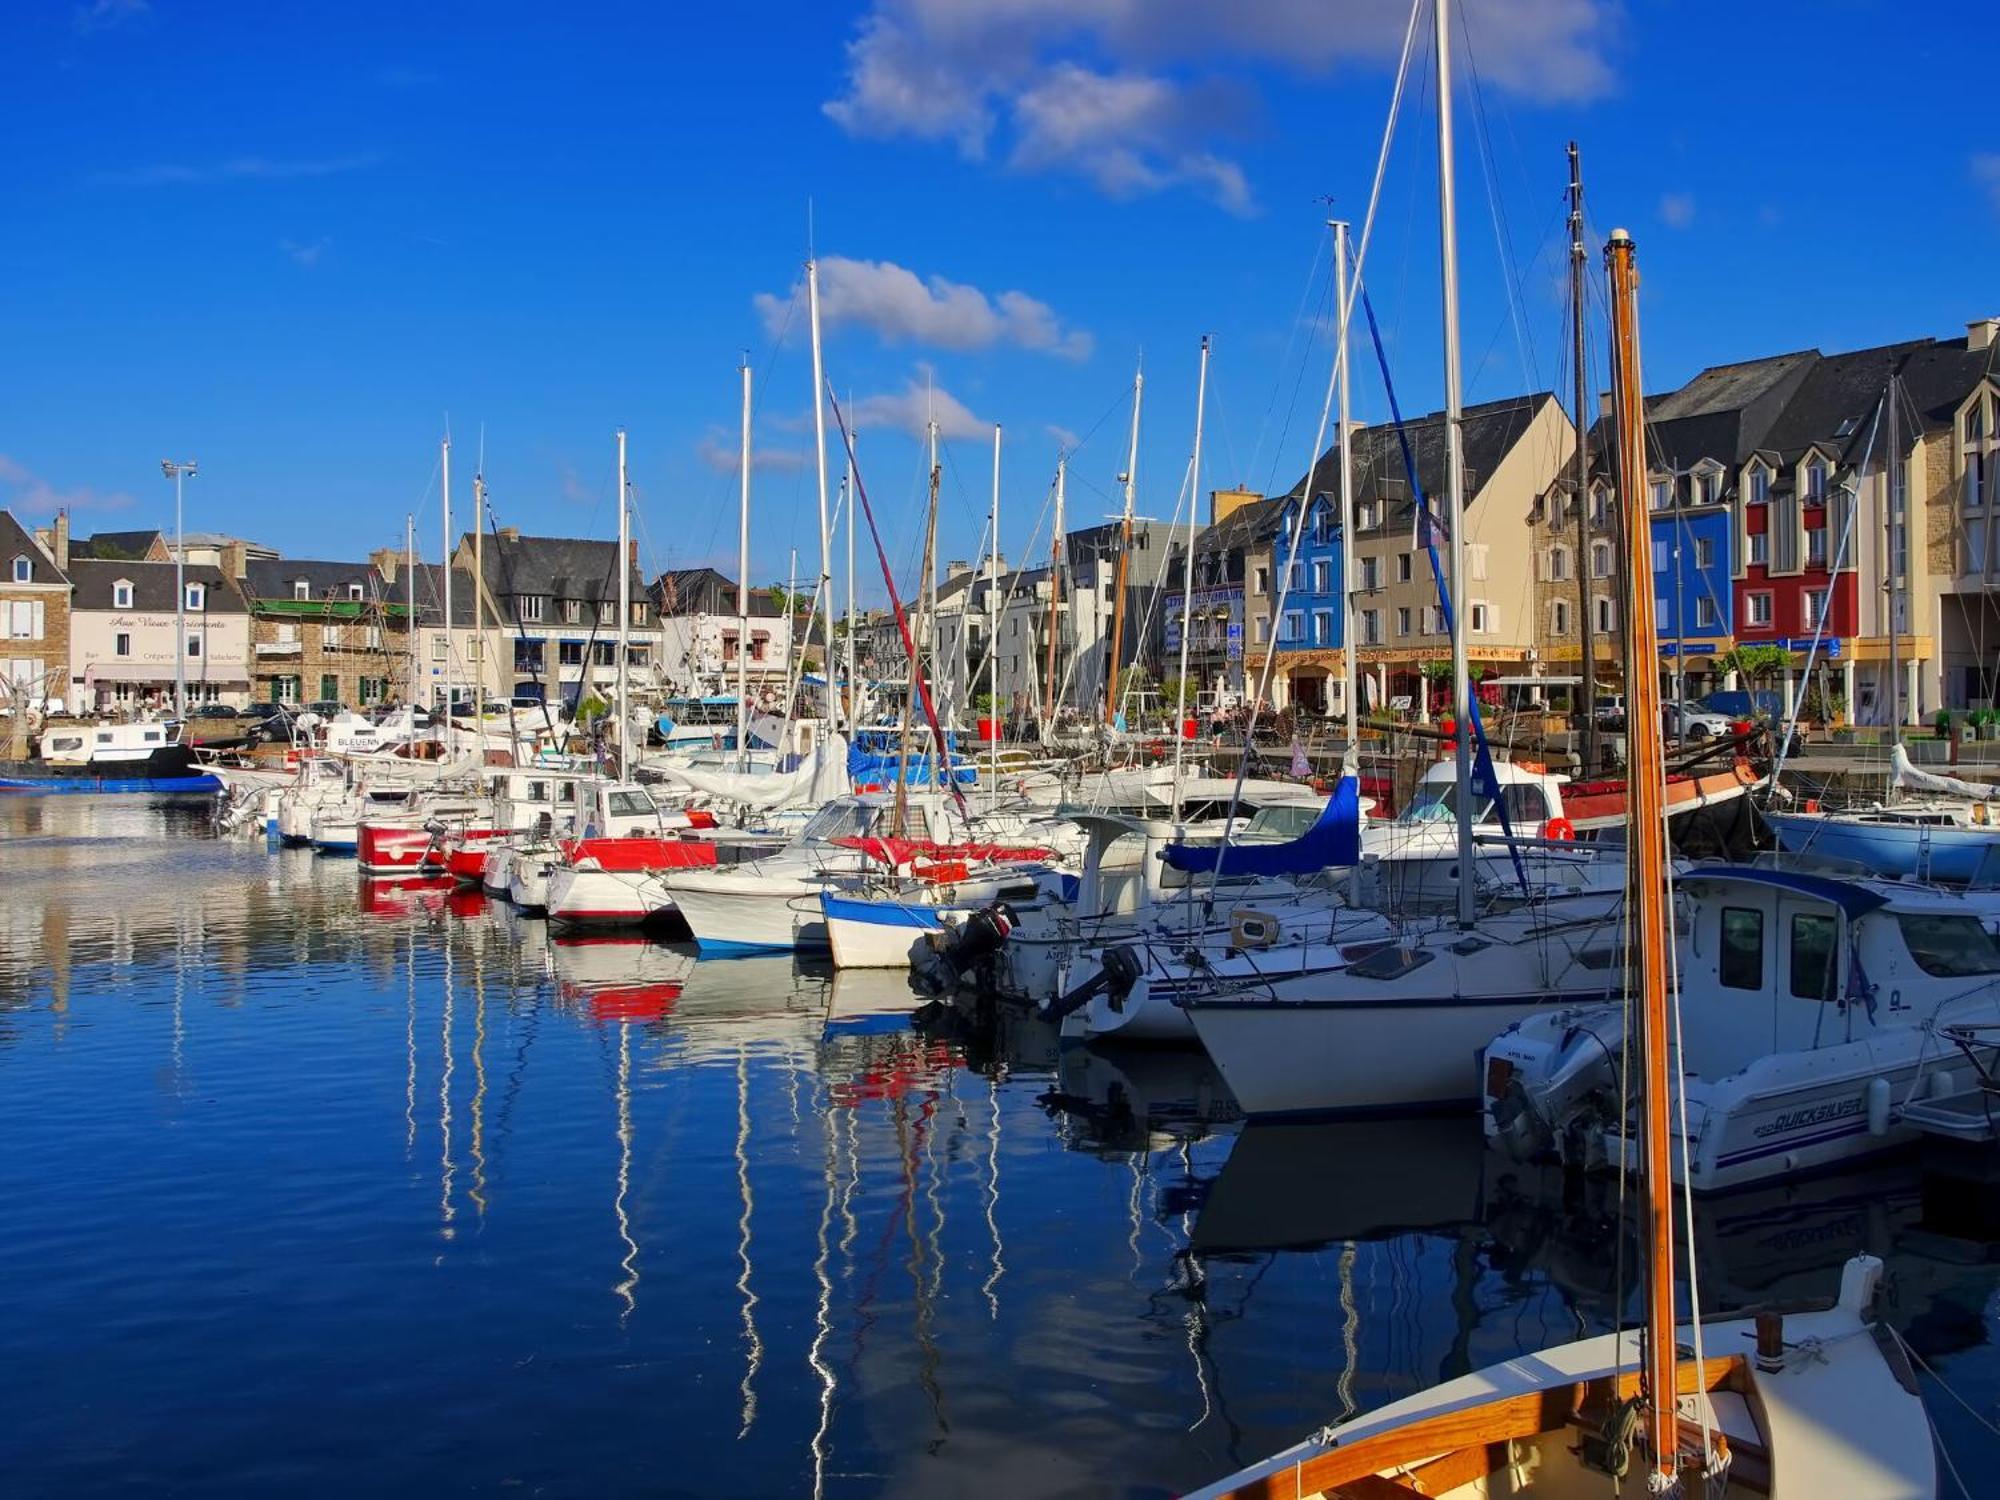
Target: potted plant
column 1177, row 695
column 1941, row 723
column 986, row 706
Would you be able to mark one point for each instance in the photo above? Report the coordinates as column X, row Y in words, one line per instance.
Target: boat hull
column 750, row 914
column 867, row 934
column 170, row 771
column 1899, row 850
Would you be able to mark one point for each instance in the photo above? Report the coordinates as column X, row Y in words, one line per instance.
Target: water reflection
column 344, row 1175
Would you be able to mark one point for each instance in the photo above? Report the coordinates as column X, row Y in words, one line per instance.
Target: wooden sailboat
column 1800, row 1407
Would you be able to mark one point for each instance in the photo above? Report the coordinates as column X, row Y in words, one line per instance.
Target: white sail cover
column 1906, row 777
column 818, row 781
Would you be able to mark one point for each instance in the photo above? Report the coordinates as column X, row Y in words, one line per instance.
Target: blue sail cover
column 1334, row 840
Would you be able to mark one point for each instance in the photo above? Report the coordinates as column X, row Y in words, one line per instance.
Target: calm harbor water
column 316, row 1186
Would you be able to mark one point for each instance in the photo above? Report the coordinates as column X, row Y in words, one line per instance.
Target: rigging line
column 1299, row 324
column 1298, row 384
column 1502, row 231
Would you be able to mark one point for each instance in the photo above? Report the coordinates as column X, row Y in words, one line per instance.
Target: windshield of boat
column 840, row 820
column 1949, row 946
column 1437, row 802
column 629, row 802
column 1282, row 822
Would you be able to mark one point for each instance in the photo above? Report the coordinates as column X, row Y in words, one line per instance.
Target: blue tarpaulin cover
column 1332, row 841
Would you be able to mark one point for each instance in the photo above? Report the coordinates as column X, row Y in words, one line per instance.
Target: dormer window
column 1663, row 493
column 197, row 595
column 23, row 570
column 1707, row 484
column 573, row 611
column 1364, row 516
column 1760, row 486
column 301, row 589
column 1815, row 483
column 354, row 592
column 121, row 594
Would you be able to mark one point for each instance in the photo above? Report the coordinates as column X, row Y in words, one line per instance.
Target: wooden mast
column 1646, row 856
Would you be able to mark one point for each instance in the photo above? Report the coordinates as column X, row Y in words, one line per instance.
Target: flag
column 1301, row 767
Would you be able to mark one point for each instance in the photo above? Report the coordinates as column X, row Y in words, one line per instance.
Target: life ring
column 1560, row 830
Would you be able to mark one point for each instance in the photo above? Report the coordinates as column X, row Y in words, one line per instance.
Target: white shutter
column 1544, row 565
column 38, row 619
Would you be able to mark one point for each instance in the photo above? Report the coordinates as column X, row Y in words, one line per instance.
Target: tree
column 1179, row 692
column 1754, row 663
column 788, row 602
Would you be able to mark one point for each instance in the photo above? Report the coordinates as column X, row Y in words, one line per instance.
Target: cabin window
column 70, row 742
column 1742, row 959
column 1949, row 947
column 150, row 736
column 1390, row 962
column 538, row 791
column 105, row 737
column 628, row 804
column 1814, row 956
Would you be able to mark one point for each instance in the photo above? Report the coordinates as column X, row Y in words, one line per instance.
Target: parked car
column 269, row 722
column 213, row 711
column 1740, row 707
column 1688, row 721
column 1609, row 710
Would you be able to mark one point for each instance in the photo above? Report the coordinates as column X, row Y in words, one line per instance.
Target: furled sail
column 1333, row 840
column 1905, row 776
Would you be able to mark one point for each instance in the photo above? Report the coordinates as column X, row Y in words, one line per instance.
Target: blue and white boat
column 1930, row 828
column 143, row 758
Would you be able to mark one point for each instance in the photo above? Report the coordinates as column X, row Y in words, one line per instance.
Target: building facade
column 324, row 632
column 34, row 615
column 127, row 642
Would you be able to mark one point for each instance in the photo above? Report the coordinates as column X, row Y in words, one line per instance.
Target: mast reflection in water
column 314, row 1185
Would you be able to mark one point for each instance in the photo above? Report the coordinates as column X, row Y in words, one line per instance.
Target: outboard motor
column 1118, row 969
column 950, row 955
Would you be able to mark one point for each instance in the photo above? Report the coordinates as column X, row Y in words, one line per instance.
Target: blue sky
column 287, row 239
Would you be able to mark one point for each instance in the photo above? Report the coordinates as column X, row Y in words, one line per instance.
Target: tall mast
column 852, row 502
column 1895, row 525
column 1055, row 594
column 993, row 633
column 1454, row 438
column 743, row 582
column 479, row 583
column 1187, row 582
column 450, row 643
column 1131, row 480
column 1646, row 858
column 1350, row 666
column 410, row 601
column 1586, row 627
column 823, row 609
column 624, row 613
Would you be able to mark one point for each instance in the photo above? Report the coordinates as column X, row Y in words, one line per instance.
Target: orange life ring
column 1561, row 830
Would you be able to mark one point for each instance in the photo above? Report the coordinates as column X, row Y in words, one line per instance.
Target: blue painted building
column 1310, row 578
column 1694, row 571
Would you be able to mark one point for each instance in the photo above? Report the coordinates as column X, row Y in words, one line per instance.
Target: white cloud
column 1065, row 439
column 922, row 400
column 721, row 451
column 103, row 15
column 27, row 492
column 1131, row 94
column 236, row 169
column 1986, row 172
column 899, row 306
column 1677, row 210
column 305, row 254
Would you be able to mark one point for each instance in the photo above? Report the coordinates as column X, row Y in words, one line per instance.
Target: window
column 1323, row 576
column 374, row 689
column 1815, row 957
column 1559, row 617
column 1760, row 486
column 332, row 637
column 1322, row 627
column 1816, row 549
column 1815, row 483
column 121, row 644
column 437, row 648
column 329, row 688
column 1403, row 565
column 1607, row 614
column 1600, row 560
column 1295, row 578
column 1949, row 947
column 1663, row 493
column 24, row 619
column 1371, row 573
column 1558, row 564
column 638, row 612
column 1475, row 561
column 1742, row 957
column 23, row 570
column 531, row 606
column 1403, row 621
column 1434, row 619
column 1479, row 618
column 1295, row 626
column 1371, row 627
column 1814, row 613
column 1262, row 626
column 570, row 653
column 193, row 646
column 1760, row 549
column 1364, row 516
column 604, row 653
column 607, row 613
column 1706, row 486
column 1260, row 580
column 1600, row 507
column 354, row 592
column 1758, row 610
column 1784, row 529
column 121, row 595
column 288, row 634
column 373, row 635
column 1706, row 615
column 301, row 589
column 1704, row 552
column 284, row 690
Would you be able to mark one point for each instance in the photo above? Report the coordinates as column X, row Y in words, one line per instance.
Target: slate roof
column 274, row 578
column 1489, row 432
column 706, row 591
column 17, row 541
column 1938, row 376
column 1840, row 391
column 130, row 545
column 152, row 585
column 553, row 567
column 428, row 592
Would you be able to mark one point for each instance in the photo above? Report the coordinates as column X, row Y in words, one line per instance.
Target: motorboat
column 148, row 757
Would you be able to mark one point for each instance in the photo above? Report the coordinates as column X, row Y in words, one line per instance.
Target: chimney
column 1979, row 333
column 62, row 541
column 632, row 553
column 386, row 560
column 235, row 559
column 509, row 533
column 958, row 567
column 1222, row 504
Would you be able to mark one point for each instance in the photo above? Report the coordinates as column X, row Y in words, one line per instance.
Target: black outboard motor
column 953, row 953
column 1117, row 971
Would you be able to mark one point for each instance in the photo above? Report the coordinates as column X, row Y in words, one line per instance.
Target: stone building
column 323, row 631
column 34, row 614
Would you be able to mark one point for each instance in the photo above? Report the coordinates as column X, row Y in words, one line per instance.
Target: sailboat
column 1823, row 1406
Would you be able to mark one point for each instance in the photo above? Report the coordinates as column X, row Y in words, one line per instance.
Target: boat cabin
column 1532, row 799
column 86, row 744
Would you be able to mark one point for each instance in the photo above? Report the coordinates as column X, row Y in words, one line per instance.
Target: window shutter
column 39, row 619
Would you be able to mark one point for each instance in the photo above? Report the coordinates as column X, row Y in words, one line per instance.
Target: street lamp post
column 179, row 474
